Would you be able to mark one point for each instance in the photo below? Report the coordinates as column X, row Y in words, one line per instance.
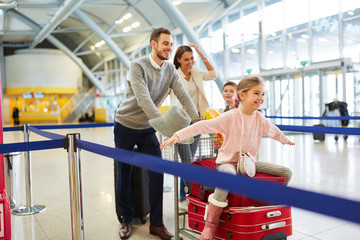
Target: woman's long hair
column 179, row 52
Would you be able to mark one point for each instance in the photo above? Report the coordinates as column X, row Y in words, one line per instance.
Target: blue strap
column 31, row 146
column 321, row 118
column 266, row 191
column 63, row 126
column 333, row 130
column 46, row 134
column 10, row 129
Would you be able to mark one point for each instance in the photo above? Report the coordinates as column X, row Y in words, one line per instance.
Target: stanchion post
column 76, row 204
column 29, row 208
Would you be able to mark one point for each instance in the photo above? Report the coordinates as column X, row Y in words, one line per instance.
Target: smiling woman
column 192, row 79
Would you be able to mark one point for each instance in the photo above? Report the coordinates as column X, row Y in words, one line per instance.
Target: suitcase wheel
column 195, row 209
column 186, row 190
column 228, row 216
column 229, row 234
column 196, row 225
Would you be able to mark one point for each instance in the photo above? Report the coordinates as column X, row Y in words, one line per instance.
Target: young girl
column 243, row 128
column 228, row 93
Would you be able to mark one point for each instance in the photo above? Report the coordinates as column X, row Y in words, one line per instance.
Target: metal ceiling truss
column 180, row 21
column 60, row 46
column 65, row 10
column 109, row 42
column 112, row 27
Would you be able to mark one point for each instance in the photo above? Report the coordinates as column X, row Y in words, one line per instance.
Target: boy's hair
column 156, row 33
column 229, row 84
column 246, row 83
column 179, row 52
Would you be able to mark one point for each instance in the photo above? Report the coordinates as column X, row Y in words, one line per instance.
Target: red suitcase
column 272, row 222
column 234, row 200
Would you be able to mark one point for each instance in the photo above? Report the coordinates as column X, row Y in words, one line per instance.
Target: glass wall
column 265, row 36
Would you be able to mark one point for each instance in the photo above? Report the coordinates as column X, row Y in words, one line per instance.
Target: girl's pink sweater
column 242, row 133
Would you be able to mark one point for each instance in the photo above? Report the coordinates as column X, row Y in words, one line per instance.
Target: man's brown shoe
column 125, row 230
column 161, row 232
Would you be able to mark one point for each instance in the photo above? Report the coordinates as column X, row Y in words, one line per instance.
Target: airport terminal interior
column 67, row 62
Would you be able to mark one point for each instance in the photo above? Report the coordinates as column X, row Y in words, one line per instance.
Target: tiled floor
column 326, row 167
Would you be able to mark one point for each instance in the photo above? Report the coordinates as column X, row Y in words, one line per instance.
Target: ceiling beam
column 60, row 46
column 111, row 28
column 179, row 20
column 226, row 11
column 103, row 35
column 64, row 11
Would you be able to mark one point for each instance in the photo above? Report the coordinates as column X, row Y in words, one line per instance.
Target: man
column 151, row 78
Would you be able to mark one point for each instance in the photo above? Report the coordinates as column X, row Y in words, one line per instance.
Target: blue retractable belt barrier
column 253, row 188
column 31, row 146
column 321, row 203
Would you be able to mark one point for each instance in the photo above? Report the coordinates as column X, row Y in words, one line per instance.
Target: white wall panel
column 41, row 68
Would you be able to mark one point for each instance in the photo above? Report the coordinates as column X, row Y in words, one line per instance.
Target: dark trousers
column 146, row 141
column 187, row 154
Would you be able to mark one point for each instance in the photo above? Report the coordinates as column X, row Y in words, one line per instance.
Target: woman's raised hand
column 174, row 139
column 193, row 45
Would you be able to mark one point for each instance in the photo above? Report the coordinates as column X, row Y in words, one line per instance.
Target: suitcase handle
column 273, row 214
column 273, row 225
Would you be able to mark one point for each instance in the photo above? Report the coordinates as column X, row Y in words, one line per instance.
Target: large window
column 325, row 42
column 273, row 54
column 352, row 35
column 273, row 17
column 297, row 48
column 251, row 39
column 234, row 41
column 296, row 8
column 320, row 9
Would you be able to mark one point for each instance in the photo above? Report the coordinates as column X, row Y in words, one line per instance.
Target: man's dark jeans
column 147, row 142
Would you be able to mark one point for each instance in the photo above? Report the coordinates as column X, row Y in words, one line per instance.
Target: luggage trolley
column 205, row 149
column 336, row 109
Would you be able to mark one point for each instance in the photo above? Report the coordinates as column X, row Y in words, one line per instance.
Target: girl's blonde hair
column 246, row 83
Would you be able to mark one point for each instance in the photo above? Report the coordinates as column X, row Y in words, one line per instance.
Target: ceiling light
column 235, row 50
column 176, row 2
column 271, row 52
column 127, row 16
column 135, row 24
column 120, row 21
column 99, row 44
column 251, row 51
column 305, row 36
column 349, row 41
column 322, row 39
column 92, row 48
column 293, row 53
column 351, row 12
column 127, row 29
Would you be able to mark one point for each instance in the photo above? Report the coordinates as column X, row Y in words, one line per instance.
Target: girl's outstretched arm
column 174, row 139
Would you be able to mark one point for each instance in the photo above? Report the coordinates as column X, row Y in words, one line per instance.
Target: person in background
column 334, row 109
column 230, row 96
column 192, row 77
column 243, row 128
column 150, row 80
column 15, row 115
